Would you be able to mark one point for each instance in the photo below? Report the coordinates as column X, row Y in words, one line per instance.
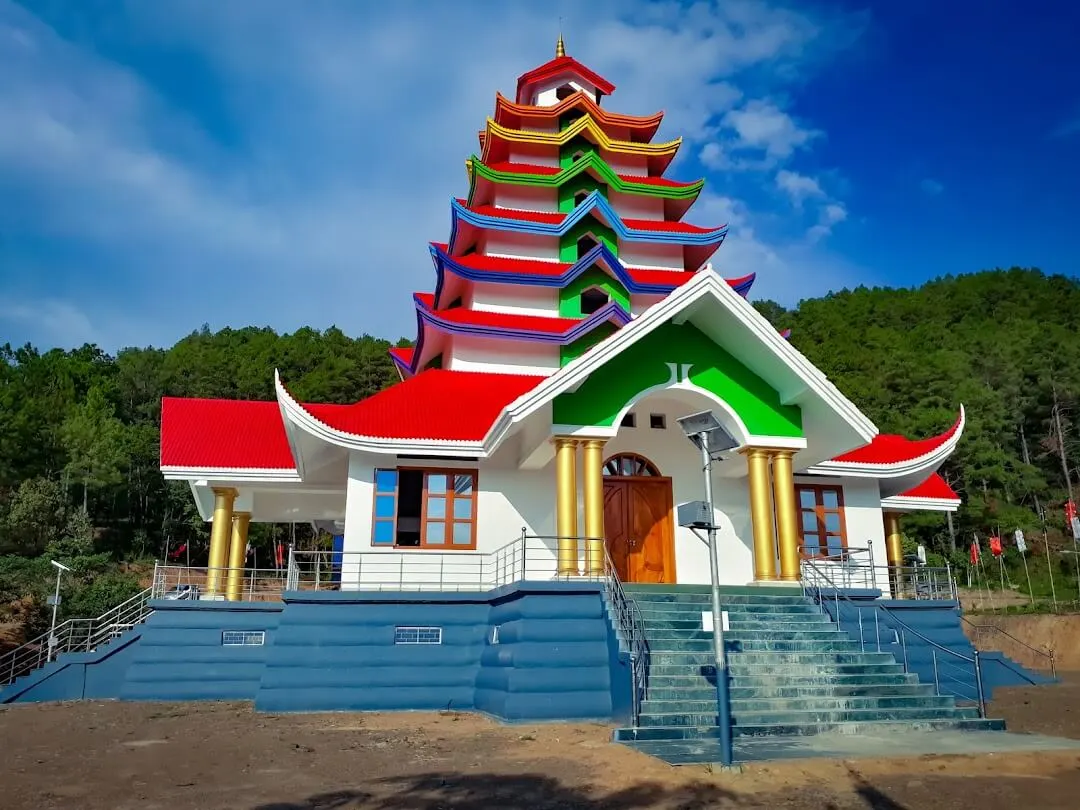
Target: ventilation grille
column 418, row 635
column 243, row 638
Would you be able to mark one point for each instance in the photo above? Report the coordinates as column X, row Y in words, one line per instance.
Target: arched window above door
column 630, row 465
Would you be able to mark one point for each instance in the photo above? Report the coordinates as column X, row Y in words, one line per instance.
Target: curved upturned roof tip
column 893, row 454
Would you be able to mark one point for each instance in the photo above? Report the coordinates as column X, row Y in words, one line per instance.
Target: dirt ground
column 1059, row 633
column 116, row 756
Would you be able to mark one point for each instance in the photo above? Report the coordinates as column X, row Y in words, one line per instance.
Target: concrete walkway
column 856, row 746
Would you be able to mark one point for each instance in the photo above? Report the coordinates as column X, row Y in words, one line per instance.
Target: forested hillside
column 79, row 429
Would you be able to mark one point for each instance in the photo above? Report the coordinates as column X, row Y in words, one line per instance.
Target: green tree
column 93, row 438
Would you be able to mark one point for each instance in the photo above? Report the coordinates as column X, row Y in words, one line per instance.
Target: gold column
column 593, row 468
column 894, row 551
column 219, row 538
column 787, row 528
column 234, row 586
column 566, row 511
column 761, row 514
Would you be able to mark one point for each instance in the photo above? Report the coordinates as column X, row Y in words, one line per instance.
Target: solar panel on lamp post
column 711, row 439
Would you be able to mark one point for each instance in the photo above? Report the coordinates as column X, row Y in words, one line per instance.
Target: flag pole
column 1021, row 547
column 1049, row 566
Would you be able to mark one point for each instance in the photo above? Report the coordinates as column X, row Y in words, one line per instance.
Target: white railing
column 75, row 635
column 631, row 626
column 527, row 558
column 177, row 582
column 855, row 569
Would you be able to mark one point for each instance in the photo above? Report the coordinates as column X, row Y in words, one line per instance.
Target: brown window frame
column 448, row 520
column 820, row 511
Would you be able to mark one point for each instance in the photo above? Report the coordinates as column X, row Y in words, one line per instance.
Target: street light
column 55, row 600
column 710, row 437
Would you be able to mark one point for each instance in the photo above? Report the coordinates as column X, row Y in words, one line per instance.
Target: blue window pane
column 463, row 508
column 830, row 499
column 832, row 522
column 809, row 522
column 806, row 499
column 836, row 544
column 436, row 483
column 436, row 508
column 463, row 484
column 383, row 533
column 385, row 480
column 462, row 534
column 384, row 506
column 811, row 544
column 435, row 534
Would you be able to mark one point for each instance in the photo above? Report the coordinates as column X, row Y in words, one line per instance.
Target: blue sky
column 277, row 162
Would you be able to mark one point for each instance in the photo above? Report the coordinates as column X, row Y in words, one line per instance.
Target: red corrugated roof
column 657, row 225
column 545, row 171
column 435, row 404
column 403, row 354
column 888, row 448
column 223, row 433
column 935, row 487
column 561, row 65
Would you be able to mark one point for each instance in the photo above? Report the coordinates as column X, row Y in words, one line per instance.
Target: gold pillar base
column 894, row 550
column 234, row 586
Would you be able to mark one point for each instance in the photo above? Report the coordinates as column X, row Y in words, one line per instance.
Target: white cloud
column 931, row 187
column 830, row 215
column 334, row 141
column 797, row 186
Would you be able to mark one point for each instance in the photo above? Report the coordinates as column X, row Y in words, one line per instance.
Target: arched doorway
column 638, row 519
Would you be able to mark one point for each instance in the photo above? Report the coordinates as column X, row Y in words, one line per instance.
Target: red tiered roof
column 497, row 320
column 887, row 448
column 540, row 171
column 223, row 434
column 560, row 66
column 656, row 225
column 434, row 404
column 933, row 488
column 512, row 115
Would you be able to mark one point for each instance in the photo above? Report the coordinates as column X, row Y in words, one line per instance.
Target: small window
column 593, row 300
column 243, row 638
column 580, row 197
column 564, row 92
column 585, row 244
column 822, row 528
column 418, row 635
column 416, row 508
column 578, row 155
column 657, row 421
column 629, row 420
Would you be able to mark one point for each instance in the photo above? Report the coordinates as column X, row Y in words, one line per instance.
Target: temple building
column 573, row 318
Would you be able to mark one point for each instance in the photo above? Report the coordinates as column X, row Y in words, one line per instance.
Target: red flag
column 995, row 546
column 176, row 554
column 1070, row 512
column 974, row 552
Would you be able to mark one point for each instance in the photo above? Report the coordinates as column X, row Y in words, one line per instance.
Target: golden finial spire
column 560, row 47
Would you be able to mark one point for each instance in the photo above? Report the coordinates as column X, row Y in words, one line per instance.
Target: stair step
column 831, row 689
column 804, row 717
column 660, row 635
column 707, row 732
column 674, row 645
column 757, row 659
column 756, row 676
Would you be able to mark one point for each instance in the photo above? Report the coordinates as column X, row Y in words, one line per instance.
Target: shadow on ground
column 486, row 791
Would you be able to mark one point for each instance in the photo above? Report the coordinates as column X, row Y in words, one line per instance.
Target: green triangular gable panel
column 599, row 399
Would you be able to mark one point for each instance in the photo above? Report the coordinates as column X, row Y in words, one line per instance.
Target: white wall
column 636, row 206
column 650, row 254
column 527, row 198
column 502, row 356
column 537, row 155
column 634, row 165
column 520, row 299
column 519, row 245
column 544, row 94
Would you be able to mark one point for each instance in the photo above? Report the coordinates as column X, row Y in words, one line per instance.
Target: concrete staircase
column 791, row 673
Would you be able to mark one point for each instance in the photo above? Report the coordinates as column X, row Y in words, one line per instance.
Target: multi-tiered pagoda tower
column 575, row 318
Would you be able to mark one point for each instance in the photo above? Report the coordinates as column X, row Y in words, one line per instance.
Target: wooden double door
column 639, row 527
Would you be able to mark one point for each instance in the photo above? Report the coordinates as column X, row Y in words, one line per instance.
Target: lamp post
column 709, row 436
column 60, row 569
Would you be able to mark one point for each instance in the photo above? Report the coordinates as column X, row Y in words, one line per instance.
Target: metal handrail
column 74, row 635
column 905, row 629
column 1048, row 653
column 632, row 626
